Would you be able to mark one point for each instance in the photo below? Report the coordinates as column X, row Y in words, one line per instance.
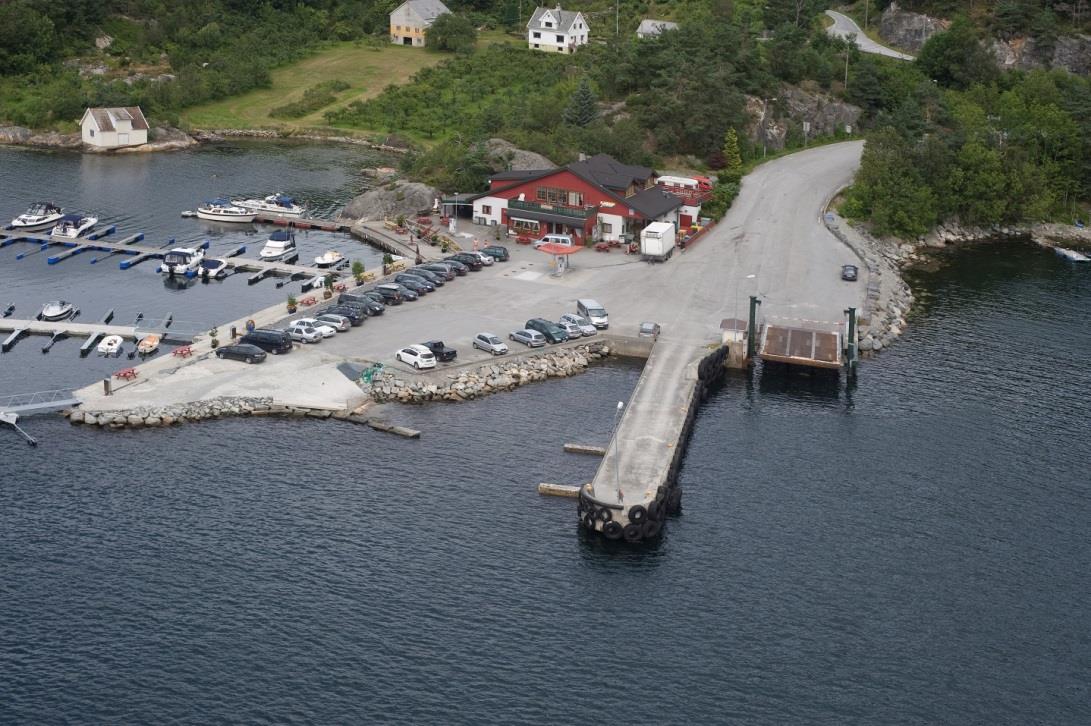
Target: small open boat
column 330, row 258
column 111, row 345
column 1071, row 255
column 148, row 344
column 212, row 268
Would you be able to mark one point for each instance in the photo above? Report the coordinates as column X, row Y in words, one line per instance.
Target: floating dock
column 18, row 328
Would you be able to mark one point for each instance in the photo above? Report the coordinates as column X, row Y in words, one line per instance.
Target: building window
column 524, row 226
column 547, row 24
column 535, row 45
column 486, row 209
column 537, row 35
column 560, row 38
column 607, row 228
column 564, row 197
column 92, row 132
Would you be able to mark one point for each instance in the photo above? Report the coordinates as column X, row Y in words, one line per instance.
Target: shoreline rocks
column 214, row 135
column 163, row 139
column 215, row 408
column 504, row 375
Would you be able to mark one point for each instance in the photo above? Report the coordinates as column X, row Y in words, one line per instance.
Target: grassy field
column 367, row 66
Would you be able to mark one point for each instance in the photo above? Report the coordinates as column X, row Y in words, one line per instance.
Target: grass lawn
column 368, row 66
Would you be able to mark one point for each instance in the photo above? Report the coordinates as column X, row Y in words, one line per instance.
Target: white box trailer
column 657, row 241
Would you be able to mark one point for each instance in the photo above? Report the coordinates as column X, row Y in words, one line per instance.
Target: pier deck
column 17, row 328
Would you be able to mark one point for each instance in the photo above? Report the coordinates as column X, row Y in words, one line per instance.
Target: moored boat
column 55, row 310
column 73, row 226
column 182, row 261
column 212, row 268
column 148, row 344
column 279, row 246
column 38, row 216
column 221, row 210
column 276, row 204
column 111, row 345
column 1071, row 255
column 330, row 258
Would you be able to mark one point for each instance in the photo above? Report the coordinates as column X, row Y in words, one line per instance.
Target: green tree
column 978, row 185
column 582, row 106
column 956, row 57
column 732, row 170
column 27, row 38
column 451, row 32
column 889, row 189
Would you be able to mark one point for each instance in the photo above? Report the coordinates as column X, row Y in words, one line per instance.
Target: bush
column 313, row 99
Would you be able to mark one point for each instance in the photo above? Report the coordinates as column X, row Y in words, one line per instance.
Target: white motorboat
column 39, row 216
column 111, row 345
column 57, row 310
column 279, row 246
column 182, row 261
column 148, row 344
column 221, row 210
column 330, row 258
column 1071, row 255
column 73, row 226
column 213, row 268
column 275, row 204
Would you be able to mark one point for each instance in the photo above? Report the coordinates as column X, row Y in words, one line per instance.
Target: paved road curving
column 845, row 27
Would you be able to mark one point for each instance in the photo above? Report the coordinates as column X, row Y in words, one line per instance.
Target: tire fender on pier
column 632, row 532
column 612, row 530
column 638, row 514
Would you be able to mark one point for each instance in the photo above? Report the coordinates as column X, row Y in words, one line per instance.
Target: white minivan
column 555, row 239
column 593, row 311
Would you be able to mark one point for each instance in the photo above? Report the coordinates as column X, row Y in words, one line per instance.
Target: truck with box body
column 657, row 241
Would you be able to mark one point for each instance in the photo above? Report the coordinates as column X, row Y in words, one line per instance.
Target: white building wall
column 494, row 215
column 617, row 227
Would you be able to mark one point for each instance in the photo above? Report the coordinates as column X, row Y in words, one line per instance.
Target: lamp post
column 617, row 454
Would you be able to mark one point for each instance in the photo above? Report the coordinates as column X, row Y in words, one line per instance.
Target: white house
column 651, row 28
column 557, row 31
column 112, row 128
column 411, row 19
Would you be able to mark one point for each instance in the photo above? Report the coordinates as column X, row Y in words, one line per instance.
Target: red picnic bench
column 524, row 239
column 602, row 247
column 183, row 351
column 309, row 300
column 126, row 374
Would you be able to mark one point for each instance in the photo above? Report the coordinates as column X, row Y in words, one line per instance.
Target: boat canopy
column 218, row 202
column 74, row 218
column 175, row 257
column 280, row 235
column 282, row 200
column 210, row 263
column 43, row 208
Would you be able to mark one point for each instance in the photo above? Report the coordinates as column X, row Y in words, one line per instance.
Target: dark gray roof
column 104, row 117
column 653, row 202
column 428, row 10
column 565, row 18
column 608, row 172
column 519, row 174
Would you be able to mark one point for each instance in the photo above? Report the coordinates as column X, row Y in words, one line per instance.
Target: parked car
column 338, row 322
column 442, row 352
column 355, row 315
column 490, row 344
column 584, row 325
column 552, row 332
column 649, row 330
column 271, row 341
column 407, row 294
column 470, row 261
column 458, row 268
column 304, row 333
column 417, row 356
column 571, row 329
column 441, row 269
column 497, row 252
column 241, row 351
column 372, row 306
column 593, row 311
column 554, row 239
column 850, row 273
column 529, row 338
column 432, row 277
column 417, row 284
column 326, row 331
column 486, row 260
column 392, row 294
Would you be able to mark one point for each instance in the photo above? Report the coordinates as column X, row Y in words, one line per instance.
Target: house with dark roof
column 113, row 128
column 596, row 198
column 556, row 31
column 411, row 19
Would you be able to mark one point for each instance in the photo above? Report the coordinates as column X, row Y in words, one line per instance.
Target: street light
column 617, row 456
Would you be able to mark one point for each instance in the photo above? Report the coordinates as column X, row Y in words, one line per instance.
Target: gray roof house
column 412, row 18
column 554, row 30
column 651, row 28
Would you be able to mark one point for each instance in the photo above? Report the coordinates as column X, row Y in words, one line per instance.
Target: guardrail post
column 106, row 387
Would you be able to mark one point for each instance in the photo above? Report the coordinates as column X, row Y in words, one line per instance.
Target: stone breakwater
column 490, row 378
column 214, row 135
column 196, row 411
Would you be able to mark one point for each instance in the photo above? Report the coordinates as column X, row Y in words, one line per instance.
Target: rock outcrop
column 1071, row 53
column 504, row 155
column 390, row 200
column 162, row 138
column 490, row 378
column 771, row 122
column 908, row 30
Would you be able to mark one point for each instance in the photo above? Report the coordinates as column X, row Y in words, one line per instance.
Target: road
column 845, row 27
column 771, row 243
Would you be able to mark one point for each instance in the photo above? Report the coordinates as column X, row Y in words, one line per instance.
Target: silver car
column 529, row 338
column 572, row 329
column 582, row 324
column 490, row 344
column 304, row 333
column 338, row 322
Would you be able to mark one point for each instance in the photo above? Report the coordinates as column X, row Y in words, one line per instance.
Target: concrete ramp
column 801, row 346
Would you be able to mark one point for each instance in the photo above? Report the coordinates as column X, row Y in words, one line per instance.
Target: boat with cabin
column 39, row 216
column 56, row 310
column 73, row 226
column 110, row 346
column 221, row 210
column 278, row 205
column 279, row 246
column 330, row 258
column 182, row 261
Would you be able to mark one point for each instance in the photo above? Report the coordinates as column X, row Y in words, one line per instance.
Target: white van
column 593, row 311
column 555, row 239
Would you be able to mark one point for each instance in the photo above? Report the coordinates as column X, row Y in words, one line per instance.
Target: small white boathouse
column 113, row 128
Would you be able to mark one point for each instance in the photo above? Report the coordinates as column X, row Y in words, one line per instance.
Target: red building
column 593, row 199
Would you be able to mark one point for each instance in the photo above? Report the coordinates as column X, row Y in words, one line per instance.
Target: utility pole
column 617, row 17
column 865, row 15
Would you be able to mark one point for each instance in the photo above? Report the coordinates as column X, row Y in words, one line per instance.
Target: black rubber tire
column 655, row 511
column 589, row 521
column 219, row 355
column 633, row 533
column 605, row 514
column 250, row 359
column 612, row 530
column 638, row 514
column 674, row 501
column 652, row 528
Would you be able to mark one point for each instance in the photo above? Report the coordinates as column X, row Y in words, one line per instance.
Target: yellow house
column 410, row 19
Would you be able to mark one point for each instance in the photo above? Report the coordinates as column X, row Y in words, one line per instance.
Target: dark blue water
column 147, row 193
column 913, row 549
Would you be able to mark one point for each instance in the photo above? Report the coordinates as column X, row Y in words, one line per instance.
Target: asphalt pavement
column 845, row 27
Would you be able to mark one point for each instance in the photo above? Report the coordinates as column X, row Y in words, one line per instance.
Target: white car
column 490, row 343
column 417, row 356
column 582, row 324
column 326, row 331
column 304, row 333
column 486, row 260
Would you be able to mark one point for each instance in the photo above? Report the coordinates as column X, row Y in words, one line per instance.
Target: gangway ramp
column 801, row 346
